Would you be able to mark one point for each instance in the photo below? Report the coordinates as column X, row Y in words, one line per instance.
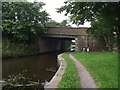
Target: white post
column 88, row 49
column 83, row 49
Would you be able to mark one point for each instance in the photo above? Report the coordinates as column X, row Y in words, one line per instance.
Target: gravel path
column 86, row 81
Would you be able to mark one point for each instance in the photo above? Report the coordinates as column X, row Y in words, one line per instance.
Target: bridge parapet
column 66, row 31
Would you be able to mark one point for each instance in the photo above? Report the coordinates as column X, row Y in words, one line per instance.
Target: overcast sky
column 51, row 6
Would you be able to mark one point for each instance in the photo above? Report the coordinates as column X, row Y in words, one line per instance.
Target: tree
column 23, row 19
column 53, row 23
column 65, row 23
column 104, row 18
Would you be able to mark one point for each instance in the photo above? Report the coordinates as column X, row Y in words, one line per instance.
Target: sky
column 51, row 7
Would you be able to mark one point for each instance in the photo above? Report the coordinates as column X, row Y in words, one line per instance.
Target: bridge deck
column 66, row 31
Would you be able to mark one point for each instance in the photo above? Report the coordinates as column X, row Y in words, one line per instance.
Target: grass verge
column 70, row 78
column 103, row 66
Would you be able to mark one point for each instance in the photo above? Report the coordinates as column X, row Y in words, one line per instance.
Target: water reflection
column 39, row 67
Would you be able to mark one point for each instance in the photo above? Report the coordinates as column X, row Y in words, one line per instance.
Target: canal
column 38, row 68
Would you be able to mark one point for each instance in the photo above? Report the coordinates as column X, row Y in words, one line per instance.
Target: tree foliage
column 65, row 23
column 23, row 19
column 104, row 18
column 53, row 23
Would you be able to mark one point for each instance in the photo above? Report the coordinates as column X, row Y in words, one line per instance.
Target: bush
column 11, row 48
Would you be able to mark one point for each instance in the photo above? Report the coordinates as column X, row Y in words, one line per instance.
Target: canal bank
column 39, row 67
column 58, row 75
column 37, row 45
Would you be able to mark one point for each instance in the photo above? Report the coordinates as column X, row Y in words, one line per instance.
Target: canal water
column 39, row 67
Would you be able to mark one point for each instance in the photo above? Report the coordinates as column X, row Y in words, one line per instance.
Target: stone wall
column 85, row 42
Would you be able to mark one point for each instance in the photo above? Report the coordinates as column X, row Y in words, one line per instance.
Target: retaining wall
column 57, row 77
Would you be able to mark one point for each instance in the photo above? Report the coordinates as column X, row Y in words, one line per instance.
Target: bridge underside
column 60, row 36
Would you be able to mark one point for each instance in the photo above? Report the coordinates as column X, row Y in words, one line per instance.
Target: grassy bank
column 10, row 48
column 103, row 67
column 70, row 78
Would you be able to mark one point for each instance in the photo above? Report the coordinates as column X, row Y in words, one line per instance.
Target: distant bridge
column 65, row 32
column 51, row 40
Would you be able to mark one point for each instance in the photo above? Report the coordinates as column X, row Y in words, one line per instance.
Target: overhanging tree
column 104, row 18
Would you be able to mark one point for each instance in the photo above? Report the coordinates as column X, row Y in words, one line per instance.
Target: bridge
column 64, row 32
column 51, row 40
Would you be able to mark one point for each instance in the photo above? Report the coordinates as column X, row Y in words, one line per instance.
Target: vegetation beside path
column 70, row 78
column 103, row 66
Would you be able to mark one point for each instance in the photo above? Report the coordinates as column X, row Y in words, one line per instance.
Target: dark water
column 37, row 67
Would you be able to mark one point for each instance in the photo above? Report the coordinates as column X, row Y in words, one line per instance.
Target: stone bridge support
column 84, row 42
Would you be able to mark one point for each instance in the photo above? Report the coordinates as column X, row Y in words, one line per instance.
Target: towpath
column 86, row 81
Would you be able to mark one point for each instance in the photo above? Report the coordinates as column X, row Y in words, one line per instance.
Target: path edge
column 58, row 75
column 93, row 86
